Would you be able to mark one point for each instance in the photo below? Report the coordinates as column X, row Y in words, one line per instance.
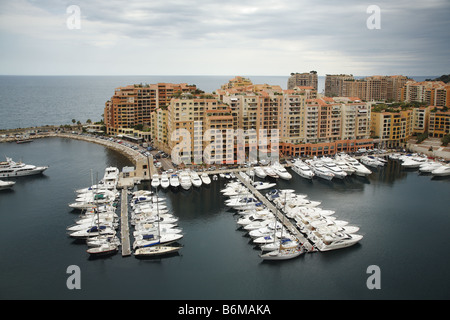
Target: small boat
column 19, row 141
column 6, row 184
column 156, row 250
column 104, row 249
column 259, row 185
column 270, row 172
column 185, row 180
column 155, row 181
column 151, row 240
column 283, row 253
column 195, row 179
column 442, row 171
column 165, row 183
column 205, row 178
column 260, row 173
column 174, row 181
column 281, row 171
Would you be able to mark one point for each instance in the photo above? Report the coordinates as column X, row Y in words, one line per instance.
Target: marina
column 214, row 249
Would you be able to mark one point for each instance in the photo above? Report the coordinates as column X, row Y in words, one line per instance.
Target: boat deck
column 287, row 223
column 124, row 226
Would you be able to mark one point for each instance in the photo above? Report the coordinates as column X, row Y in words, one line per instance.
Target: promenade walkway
column 124, row 226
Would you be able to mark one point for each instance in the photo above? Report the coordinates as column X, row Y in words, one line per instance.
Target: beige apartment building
column 373, row 88
column 132, row 105
column 434, row 93
column 392, row 129
column 303, row 80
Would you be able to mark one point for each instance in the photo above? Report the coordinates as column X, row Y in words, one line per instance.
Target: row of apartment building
column 307, row 124
column 388, row 88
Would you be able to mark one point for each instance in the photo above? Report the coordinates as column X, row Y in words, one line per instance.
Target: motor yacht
column 185, row 180
column 11, row 169
column 281, row 171
column 336, row 170
column 205, row 178
column 360, row 169
column 259, row 185
column 442, row 171
column 195, row 179
column 174, row 181
column 165, row 182
column 155, row 181
column 321, row 171
column 260, row 173
column 270, row 172
column 302, row 170
column 413, row 162
column 429, row 166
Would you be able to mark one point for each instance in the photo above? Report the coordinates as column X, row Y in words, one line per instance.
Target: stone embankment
column 133, row 155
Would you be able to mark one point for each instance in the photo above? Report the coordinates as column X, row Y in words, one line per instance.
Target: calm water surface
column 403, row 216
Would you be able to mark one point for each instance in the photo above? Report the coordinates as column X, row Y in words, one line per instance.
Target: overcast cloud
column 246, row 37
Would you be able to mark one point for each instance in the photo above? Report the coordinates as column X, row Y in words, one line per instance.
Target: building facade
column 303, row 80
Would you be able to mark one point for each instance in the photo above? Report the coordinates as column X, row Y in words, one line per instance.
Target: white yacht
column 283, row 253
column 105, row 248
column 260, row 173
column 270, row 172
column 150, row 240
column 165, row 183
column 111, row 177
column 9, row 168
column 360, row 169
column 429, row 166
column 6, row 184
column 321, row 171
column 302, row 170
column 185, row 180
column 174, row 181
column 442, row 171
column 155, row 181
column 195, row 179
column 335, row 241
column 336, row 170
column 371, row 161
column 205, row 178
column 413, row 162
column 259, row 185
column 240, row 202
column 281, row 171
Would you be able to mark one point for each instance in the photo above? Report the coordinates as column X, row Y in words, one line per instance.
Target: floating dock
column 124, row 226
column 287, row 223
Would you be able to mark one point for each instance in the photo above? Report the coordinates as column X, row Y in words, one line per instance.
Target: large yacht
column 302, row 169
column 11, row 169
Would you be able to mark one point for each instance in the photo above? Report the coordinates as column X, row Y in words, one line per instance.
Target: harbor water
column 403, row 216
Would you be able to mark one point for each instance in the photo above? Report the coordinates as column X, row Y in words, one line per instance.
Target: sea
column 402, row 215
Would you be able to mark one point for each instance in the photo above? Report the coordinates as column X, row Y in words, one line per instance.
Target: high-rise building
column 132, row 106
column 303, row 80
column 334, row 84
column 373, row 88
column 439, row 122
column 392, row 129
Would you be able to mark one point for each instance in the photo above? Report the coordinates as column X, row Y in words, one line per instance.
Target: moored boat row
column 156, row 231
column 277, row 242
column 98, row 222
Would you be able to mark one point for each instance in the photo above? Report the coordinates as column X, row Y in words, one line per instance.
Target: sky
column 212, row 37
